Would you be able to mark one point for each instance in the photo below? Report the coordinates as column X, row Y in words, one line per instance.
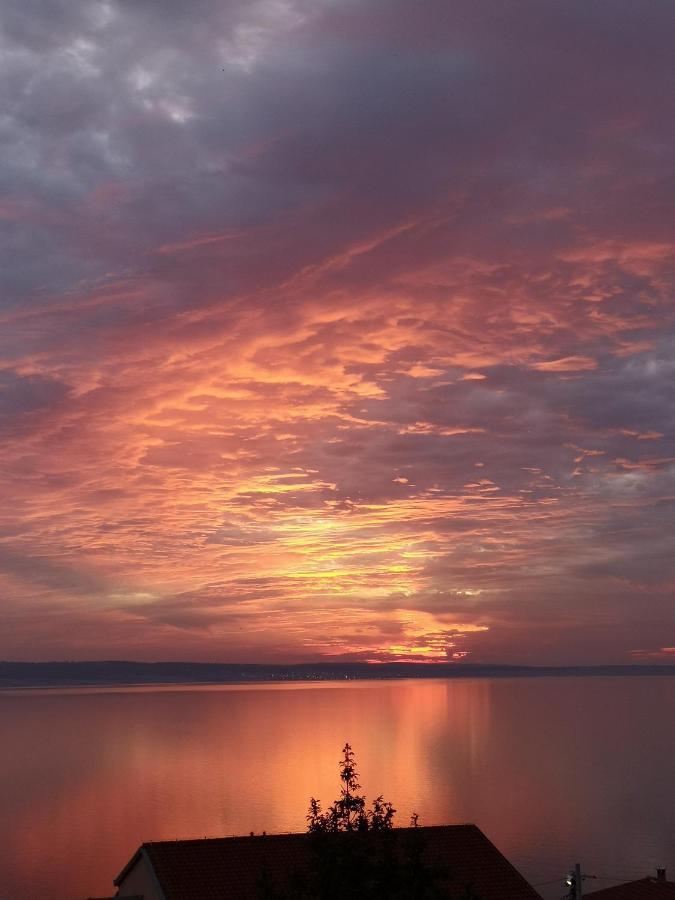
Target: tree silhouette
column 348, row 812
column 383, row 862
column 355, row 853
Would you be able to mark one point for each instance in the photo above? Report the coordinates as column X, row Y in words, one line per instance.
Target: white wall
column 139, row 882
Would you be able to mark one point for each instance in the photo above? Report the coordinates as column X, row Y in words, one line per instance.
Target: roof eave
column 129, row 866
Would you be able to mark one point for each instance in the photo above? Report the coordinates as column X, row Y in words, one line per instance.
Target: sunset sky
column 337, row 329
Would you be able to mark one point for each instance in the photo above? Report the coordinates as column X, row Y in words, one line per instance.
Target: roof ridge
column 286, row 834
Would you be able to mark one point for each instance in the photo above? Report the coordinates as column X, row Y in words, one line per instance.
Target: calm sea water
column 553, row 770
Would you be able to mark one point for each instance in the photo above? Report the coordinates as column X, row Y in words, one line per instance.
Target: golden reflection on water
column 102, row 771
column 89, row 775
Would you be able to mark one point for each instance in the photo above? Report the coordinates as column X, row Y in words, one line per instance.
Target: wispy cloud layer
column 337, row 328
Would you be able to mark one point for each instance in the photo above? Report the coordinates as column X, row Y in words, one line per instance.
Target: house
column 644, row 889
column 232, row 867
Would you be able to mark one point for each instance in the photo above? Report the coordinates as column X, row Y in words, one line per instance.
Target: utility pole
column 574, row 882
column 577, row 881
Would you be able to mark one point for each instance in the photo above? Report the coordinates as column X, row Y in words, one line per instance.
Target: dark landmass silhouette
column 119, row 672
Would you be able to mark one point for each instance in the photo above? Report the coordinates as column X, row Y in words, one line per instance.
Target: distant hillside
column 114, row 672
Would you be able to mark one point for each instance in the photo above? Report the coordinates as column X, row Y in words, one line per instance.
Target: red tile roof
column 644, row 889
column 213, row 869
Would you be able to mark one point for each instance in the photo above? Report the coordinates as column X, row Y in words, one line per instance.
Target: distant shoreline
column 123, row 674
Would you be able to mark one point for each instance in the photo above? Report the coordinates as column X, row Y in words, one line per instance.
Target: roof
column 212, row 869
column 644, row 889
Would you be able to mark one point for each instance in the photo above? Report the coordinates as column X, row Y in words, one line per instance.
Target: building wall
column 139, row 882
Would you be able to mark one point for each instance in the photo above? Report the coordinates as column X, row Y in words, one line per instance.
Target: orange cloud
column 567, row 364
